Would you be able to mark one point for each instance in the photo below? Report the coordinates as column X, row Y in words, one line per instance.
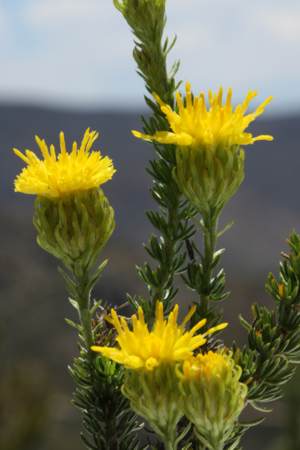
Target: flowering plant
column 178, row 378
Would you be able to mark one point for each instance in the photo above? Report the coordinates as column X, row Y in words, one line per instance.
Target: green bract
column 75, row 228
column 155, row 396
column 209, row 177
column 214, row 398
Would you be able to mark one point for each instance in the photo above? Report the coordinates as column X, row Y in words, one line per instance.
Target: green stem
column 170, row 442
column 170, row 446
column 84, row 303
column 167, row 272
column 210, row 227
column 86, row 323
column 147, row 21
column 219, row 447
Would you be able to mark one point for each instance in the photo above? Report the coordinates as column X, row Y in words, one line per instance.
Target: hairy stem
column 85, row 320
column 108, row 422
column 84, row 305
column 210, row 226
column 170, row 245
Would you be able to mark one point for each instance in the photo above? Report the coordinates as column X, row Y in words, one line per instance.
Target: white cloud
column 3, row 17
column 5, row 27
column 76, row 55
column 56, row 12
column 230, row 42
column 284, row 24
column 80, row 50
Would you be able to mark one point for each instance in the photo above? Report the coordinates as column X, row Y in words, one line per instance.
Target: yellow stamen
column 166, row 342
column 198, row 125
column 65, row 173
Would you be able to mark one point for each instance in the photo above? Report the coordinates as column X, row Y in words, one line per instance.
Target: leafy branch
column 171, row 221
column 269, row 360
column 203, row 275
column 108, row 422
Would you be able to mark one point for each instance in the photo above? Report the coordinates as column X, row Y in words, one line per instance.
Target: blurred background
column 66, row 65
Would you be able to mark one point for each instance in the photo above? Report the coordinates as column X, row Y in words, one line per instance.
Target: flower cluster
column 166, row 380
column 187, row 386
column 167, row 376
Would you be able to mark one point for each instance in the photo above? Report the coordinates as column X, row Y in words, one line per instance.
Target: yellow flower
column 167, row 342
column 204, row 366
column 66, row 173
column 212, row 396
column 218, row 125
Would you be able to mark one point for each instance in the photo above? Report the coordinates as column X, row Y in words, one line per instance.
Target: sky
column 77, row 53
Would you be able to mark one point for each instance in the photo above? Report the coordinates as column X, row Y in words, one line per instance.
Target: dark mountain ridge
column 33, row 302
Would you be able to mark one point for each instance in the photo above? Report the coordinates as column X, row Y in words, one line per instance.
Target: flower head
column 195, row 124
column 58, row 175
column 208, row 365
column 168, row 341
column 212, row 395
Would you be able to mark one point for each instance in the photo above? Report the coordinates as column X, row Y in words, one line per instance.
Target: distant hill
column 272, row 168
column 266, row 208
column 33, row 302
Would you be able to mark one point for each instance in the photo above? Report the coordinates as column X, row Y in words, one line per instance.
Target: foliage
column 267, row 362
column 273, row 349
column 167, row 248
column 108, row 422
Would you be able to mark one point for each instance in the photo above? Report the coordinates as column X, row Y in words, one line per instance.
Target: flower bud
column 213, row 396
column 141, row 11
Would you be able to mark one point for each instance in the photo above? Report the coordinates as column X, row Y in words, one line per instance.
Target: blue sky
column 78, row 52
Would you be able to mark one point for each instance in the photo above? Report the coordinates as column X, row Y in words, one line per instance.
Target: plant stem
column 85, row 320
column 170, row 441
column 84, row 300
column 170, row 446
column 108, row 422
column 170, row 242
column 219, row 446
column 147, row 21
column 210, row 226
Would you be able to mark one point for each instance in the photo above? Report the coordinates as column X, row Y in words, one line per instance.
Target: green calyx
column 154, row 395
column 209, row 177
column 74, row 229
